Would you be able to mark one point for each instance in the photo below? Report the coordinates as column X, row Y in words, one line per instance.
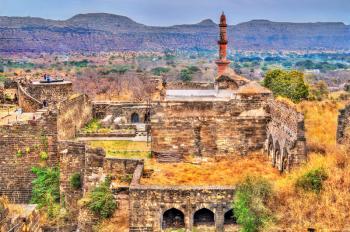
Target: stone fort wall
column 92, row 165
column 102, row 109
column 286, row 144
column 149, row 204
column 343, row 130
column 27, row 102
column 53, row 92
column 210, row 128
column 73, row 114
column 21, row 145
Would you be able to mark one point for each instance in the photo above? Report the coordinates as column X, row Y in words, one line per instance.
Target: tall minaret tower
column 222, row 62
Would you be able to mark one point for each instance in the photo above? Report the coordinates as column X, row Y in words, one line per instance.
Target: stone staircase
column 168, row 157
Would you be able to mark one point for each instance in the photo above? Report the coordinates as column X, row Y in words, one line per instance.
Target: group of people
column 47, row 78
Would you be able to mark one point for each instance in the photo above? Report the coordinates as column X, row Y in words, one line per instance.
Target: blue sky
column 170, row 12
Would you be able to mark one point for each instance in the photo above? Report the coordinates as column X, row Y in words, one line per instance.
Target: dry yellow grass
column 226, row 171
column 329, row 210
column 123, row 149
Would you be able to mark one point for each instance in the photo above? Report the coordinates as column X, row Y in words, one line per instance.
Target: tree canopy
column 288, row 84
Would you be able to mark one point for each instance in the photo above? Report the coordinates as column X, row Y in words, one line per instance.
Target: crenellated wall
column 343, row 130
column 20, row 146
column 286, row 142
column 73, row 114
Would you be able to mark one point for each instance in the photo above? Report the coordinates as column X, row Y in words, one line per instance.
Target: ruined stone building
column 230, row 117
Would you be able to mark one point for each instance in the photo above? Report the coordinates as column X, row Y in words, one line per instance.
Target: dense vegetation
column 288, row 84
column 46, row 191
column 250, row 204
column 101, row 201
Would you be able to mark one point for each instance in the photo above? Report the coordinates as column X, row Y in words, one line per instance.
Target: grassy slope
column 329, row 211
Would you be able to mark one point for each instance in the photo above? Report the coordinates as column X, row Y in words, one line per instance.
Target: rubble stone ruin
column 230, row 117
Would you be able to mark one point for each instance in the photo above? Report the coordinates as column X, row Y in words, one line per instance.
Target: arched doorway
column 285, row 164
column 147, row 117
column 173, row 219
column 45, row 103
column 135, row 118
column 270, row 147
column 229, row 218
column 204, row 217
column 277, row 155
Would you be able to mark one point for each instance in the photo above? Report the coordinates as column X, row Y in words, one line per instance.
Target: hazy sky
column 170, row 12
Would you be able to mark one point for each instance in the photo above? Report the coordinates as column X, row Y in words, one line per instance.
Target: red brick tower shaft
column 222, row 62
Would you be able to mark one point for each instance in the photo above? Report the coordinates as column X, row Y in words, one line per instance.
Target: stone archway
column 147, row 118
column 204, row 217
column 135, row 118
column 229, row 218
column 285, row 158
column 173, row 219
column 270, row 147
column 277, row 155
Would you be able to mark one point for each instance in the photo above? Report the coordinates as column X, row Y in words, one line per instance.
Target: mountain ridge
column 93, row 32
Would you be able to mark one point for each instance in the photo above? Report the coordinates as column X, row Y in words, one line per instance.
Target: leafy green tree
column 288, row 84
column 186, row 75
column 250, row 204
column 160, row 70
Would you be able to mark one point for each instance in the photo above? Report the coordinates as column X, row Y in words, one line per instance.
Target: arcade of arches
column 202, row 218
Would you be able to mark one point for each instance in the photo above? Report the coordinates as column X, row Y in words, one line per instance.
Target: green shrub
column 75, row 181
column 19, row 153
column 186, row 75
column 250, row 204
column 126, row 178
column 101, row 200
column 193, row 69
column 288, row 84
column 93, row 126
column 27, row 150
column 46, row 186
column 43, row 155
column 312, row 181
column 160, row 70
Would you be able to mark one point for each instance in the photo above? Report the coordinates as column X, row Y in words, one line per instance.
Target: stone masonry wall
column 73, row 114
column 53, row 93
column 149, row 203
column 286, row 143
column 20, row 146
column 210, row 128
column 72, row 160
column 26, row 101
column 101, row 110
column 343, row 130
column 93, row 167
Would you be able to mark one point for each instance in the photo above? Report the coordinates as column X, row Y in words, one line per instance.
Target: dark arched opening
column 147, row 117
column 277, row 155
column 270, row 147
column 284, row 165
column 229, row 218
column 203, row 217
column 135, row 118
column 174, row 219
column 45, row 103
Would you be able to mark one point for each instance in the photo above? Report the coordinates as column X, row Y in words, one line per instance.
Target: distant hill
column 106, row 32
